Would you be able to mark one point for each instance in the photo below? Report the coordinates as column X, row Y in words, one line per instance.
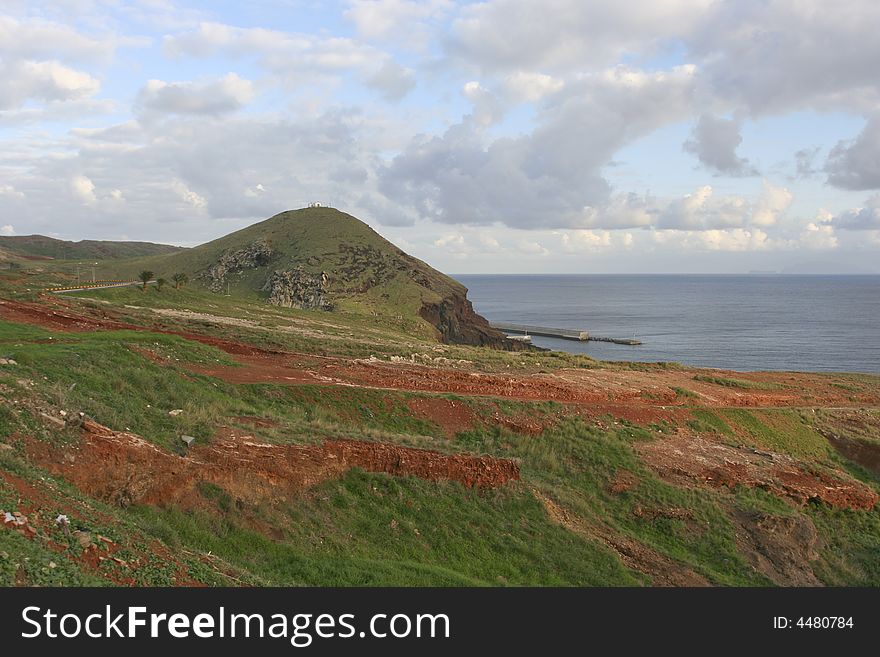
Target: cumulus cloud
column 36, row 39
column 548, row 106
column 45, row 81
column 187, row 195
column 772, row 205
column 789, row 54
column 212, row 97
column 210, row 173
column 7, row 230
column 400, row 20
column 293, row 57
column 856, row 164
column 818, row 235
column 863, row 218
column 558, row 34
column 735, row 239
column 392, row 80
column 531, row 86
column 714, row 141
column 546, row 178
column 591, row 241
column 83, row 189
column 10, row 192
column 702, row 210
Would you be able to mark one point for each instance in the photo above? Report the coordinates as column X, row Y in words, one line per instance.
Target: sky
column 504, row 136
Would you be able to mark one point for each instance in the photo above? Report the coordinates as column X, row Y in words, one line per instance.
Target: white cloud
column 400, row 20
column 866, row 217
column 83, row 189
column 530, row 86
column 212, row 97
column 818, row 236
column 579, row 241
column 187, row 195
column 10, row 192
column 36, row 39
column 702, row 210
column 46, row 81
column 733, row 239
column 771, row 206
column 7, row 230
column 392, row 80
column 545, row 178
column 532, row 248
column 561, row 34
column 293, row 57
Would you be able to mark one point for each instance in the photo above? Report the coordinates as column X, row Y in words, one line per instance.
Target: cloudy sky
column 497, row 136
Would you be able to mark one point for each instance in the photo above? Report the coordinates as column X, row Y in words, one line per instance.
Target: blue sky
column 498, row 136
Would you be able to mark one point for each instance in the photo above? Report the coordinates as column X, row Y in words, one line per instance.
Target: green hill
column 321, row 258
column 40, row 246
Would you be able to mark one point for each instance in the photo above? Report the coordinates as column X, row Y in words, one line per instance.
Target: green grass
column 779, row 430
column 575, row 464
column 704, row 420
column 737, row 383
column 368, row 529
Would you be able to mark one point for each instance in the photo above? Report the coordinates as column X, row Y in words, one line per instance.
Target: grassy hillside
column 367, row 274
column 41, row 246
column 589, row 509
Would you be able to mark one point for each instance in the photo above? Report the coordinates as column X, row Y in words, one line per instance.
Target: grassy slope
column 321, row 239
column 40, row 245
column 375, row 529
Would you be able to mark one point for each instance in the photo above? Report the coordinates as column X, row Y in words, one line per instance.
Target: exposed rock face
column 257, row 254
column 297, row 288
column 458, row 323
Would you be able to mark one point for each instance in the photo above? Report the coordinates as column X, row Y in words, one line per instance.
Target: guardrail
column 94, row 284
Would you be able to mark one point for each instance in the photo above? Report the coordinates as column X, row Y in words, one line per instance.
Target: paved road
column 97, row 287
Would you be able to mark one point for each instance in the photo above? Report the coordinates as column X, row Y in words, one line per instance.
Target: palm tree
column 159, row 283
column 145, row 277
column 180, row 279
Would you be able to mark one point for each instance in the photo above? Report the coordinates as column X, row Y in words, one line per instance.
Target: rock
column 57, row 421
column 296, row 288
column 7, row 361
column 175, row 412
column 189, row 440
column 84, row 539
column 257, row 254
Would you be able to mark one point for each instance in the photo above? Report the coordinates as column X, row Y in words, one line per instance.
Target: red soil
column 40, row 502
column 685, row 459
column 451, row 415
column 640, row 396
column 122, row 468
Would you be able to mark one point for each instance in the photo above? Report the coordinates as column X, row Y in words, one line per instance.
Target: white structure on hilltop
column 316, row 204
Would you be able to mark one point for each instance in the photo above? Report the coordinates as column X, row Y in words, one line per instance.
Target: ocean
column 736, row 322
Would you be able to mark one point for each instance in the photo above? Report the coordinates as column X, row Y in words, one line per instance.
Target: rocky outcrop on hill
column 457, row 323
column 257, row 254
column 297, row 288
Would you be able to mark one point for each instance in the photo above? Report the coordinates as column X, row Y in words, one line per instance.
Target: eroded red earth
column 244, row 466
column 122, row 468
